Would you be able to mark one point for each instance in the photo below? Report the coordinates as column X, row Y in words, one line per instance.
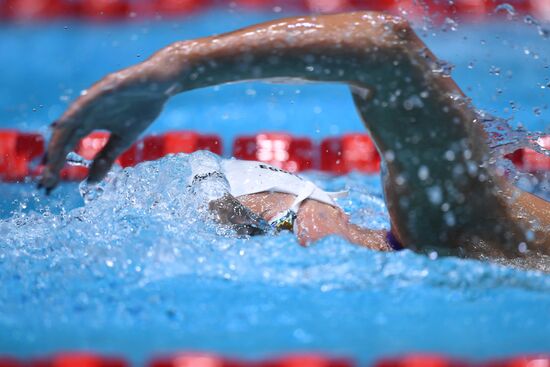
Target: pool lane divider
column 105, row 10
column 17, row 151
column 190, row 359
column 21, row 152
column 67, row 359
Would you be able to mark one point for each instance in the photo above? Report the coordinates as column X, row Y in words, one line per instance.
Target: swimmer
column 441, row 191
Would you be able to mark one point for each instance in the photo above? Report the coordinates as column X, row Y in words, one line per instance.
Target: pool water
column 139, row 271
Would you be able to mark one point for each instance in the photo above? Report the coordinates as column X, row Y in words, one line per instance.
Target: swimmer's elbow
column 383, row 30
column 399, row 27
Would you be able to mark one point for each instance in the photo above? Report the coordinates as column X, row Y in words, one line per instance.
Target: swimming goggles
column 284, row 221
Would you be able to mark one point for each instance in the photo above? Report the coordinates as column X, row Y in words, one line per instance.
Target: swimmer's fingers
column 64, row 137
column 105, row 159
column 125, row 129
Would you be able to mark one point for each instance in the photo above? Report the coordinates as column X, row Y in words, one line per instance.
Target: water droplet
column 449, row 24
column 423, row 173
column 443, row 67
column 412, row 102
column 400, row 180
column 494, row 70
column 435, row 195
column 528, row 19
column 450, row 219
column 450, row 155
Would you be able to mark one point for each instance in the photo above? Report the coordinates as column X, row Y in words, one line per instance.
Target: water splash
column 443, row 67
column 543, row 32
column 142, row 254
column 503, row 140
column 507, row 9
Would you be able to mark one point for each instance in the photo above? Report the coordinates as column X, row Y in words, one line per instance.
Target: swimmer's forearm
column 312, row 48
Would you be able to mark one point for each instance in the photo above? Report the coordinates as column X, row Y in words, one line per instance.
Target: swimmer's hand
column 228, row 210
column 122, row 103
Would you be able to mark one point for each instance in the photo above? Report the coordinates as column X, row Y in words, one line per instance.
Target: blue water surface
column 140, row 271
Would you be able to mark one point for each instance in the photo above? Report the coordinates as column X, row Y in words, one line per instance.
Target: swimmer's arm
column 373, row 53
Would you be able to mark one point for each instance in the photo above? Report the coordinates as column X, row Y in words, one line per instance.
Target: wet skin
column 315, row 220
column 427, row 132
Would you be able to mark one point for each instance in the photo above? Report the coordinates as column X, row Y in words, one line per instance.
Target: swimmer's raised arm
column 370, row 51
column 439, row 189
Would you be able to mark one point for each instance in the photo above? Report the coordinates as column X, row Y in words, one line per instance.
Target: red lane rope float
column 195, row 360
column 329, row 6
column 119, row 9
column 348, row 153
column 9, row 362
column 421, row 360
column 530, row 160
column 35, row 9
column 256, row 4
column 17, row 151
column 104, row 9
column 87, row 148
column 212, row 360
column 336, row 155
column 541, row 8
column 178, row 7
column 279, row 149
column 78, row 359
column 306, row 360
column 526, row 361
column 149, row 148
